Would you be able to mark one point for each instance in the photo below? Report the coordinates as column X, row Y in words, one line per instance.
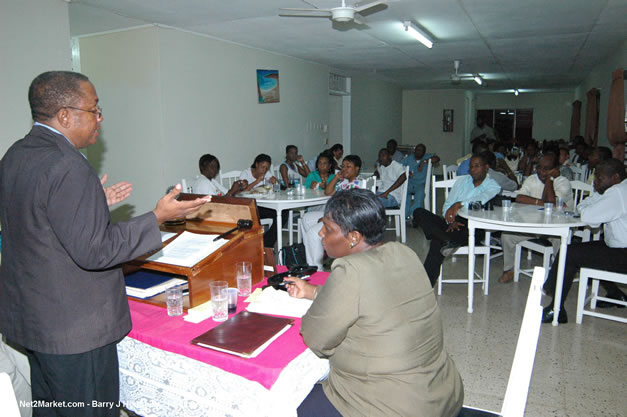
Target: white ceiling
column 524, row 44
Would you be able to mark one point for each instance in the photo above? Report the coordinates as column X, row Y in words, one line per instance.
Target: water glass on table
column 548, row 209
column 559, row 203
column 243, row 272
column 174, row 301
column 219, row 300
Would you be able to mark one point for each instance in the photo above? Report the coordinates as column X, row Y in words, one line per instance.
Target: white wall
column 170, row 96
column 551, row 111
column 601, row 77
column 376, row 111
column 422, row 121
column 30, row 43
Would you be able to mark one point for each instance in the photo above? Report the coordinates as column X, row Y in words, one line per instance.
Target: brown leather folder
column 246, row 334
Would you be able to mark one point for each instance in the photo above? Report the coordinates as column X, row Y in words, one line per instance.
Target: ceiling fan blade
column 359, row 19
column 367, row 6
column 289, row 9
column 305, row 13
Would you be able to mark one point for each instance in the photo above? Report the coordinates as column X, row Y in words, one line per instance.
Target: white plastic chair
column 586, row 274
column 515, row 399
column 582, row 190
column 484, row 279
column 427, row 201
column 400, row 226
column 228, row 178
column 581, row 172
column 449, row 172
column 371, row 184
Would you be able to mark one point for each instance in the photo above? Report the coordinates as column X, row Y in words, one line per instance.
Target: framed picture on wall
column 268, row 86
column 447, row 120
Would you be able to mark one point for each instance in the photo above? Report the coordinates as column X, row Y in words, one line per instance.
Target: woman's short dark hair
column 329, row 156
column 51, row 91
column 288, row 147
column 262, row 157
column 356, row 160
column 336, row 147
column 205, row 160
column 360, row 211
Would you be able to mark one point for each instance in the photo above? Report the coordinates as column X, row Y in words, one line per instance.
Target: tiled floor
column 580, row 370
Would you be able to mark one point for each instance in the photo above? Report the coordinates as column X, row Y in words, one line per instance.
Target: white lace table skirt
column 154, row 382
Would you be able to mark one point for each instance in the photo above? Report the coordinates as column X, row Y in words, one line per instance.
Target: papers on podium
column 245, row 334
column 147, row 284
column 188, row 249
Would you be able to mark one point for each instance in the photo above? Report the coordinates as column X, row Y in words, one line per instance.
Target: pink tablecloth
column 153, row 326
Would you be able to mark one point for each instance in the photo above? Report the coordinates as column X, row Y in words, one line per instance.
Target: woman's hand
column 299, row 288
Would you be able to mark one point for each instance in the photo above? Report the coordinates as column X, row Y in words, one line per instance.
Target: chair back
column 404, row 190
column 522, row 367
column 228, row 178
column 449, row 171
column 581, row 190
column 580, row 172
column 444, row 184
column 371, row 184
column 427, row 201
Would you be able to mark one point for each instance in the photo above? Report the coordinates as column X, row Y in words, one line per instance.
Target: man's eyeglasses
column 97, row 112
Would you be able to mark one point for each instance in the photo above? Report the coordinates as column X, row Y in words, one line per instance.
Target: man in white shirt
column 391, row 175
column 543, row 187
column 482, row 131
column 607, row 206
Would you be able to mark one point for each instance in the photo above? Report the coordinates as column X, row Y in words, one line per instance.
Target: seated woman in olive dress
column 377, row 321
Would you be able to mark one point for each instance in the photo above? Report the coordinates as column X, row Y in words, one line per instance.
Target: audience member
column 448, row 233
column 481, row 132
column 607, row 206
column 506, row 183
column 528, row 161
column 581, row 151
column 599, row 154
column 346, row 179
column 63, row 297
column 207, row 184
column 293, row 167
column 377, row 321
column 338, row 151
column 478, row 147
column 258, row 173
column 537, row 189
column 392, row 146
column 391, row 175
column 417, row 176
column 564, row 162
column 323, row 173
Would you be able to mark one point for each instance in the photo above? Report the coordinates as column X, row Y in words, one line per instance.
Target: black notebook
column 246, row 334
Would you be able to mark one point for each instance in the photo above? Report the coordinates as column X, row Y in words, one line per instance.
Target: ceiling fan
column 456, row 77
column 340, row 14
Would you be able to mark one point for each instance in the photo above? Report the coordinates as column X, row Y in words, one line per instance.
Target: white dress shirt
column 202, row 185
column 388, row 176
column 609, row 208
column 533, row 187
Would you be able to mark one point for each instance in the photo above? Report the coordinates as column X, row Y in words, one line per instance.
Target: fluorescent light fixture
column 478, row 79
column 516, row 92
column 418, row 34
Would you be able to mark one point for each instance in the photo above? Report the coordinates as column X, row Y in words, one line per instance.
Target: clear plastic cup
column 219, row 300
column 243, row 273
column 174, row 301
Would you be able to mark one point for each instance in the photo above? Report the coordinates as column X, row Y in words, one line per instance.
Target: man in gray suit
column 62, row 294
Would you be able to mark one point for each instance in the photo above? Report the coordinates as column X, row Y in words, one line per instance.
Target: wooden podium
column 215, row 217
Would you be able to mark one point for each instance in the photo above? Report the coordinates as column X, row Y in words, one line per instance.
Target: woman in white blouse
column 258, row 173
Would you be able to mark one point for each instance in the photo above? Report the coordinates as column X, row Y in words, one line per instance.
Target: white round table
column 521, row 218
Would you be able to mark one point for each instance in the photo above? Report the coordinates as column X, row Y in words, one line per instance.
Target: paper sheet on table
column 199, row 313
column 166, row 235
column 188, row 249
column 279, row 303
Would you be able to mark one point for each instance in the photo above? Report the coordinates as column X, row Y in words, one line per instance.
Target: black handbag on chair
column 293, row 255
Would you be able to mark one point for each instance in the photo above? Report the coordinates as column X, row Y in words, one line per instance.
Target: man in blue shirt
column 417, row 164
column 448, row 233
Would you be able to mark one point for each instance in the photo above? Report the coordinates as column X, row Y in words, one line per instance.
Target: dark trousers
column 269, row 237
column 595, row 254
column 87, row 383
column 317, row 405
column 434, row 228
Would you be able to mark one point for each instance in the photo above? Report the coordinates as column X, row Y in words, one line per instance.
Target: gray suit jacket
column 377, row 320
column 61, row 286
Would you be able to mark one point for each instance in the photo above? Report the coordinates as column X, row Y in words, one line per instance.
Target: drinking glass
column 243, row 272
column 219, row 300
column 174, row 301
